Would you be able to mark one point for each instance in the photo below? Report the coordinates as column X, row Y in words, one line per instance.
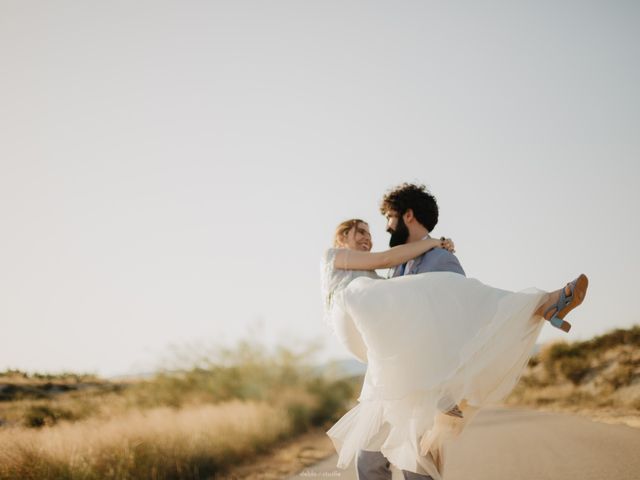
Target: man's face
column 397, row 228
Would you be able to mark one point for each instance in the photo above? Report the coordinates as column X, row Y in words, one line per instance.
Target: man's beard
column 400, row 235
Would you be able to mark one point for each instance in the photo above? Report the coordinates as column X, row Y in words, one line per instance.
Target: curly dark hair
column 414, row 197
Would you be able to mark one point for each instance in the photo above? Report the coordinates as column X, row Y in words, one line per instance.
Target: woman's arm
column 359, row 260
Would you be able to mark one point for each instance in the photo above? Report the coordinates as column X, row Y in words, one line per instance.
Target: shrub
column 630, row 336
column 621, row 376
column 332, row 396
column 574, row 368
column 600, row 372
column 40, row 415
column 283, row 385
column 300, row 415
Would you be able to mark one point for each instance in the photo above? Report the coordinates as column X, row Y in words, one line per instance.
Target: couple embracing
column 438, row 345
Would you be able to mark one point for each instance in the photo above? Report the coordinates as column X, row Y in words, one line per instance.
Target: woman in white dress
column 438, row 346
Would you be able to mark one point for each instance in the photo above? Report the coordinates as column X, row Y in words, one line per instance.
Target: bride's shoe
column 566, row 303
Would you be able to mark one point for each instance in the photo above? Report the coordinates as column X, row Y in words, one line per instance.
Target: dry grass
column 19, row 377
column 185, row 423
column 598, row 375
column 194, row 442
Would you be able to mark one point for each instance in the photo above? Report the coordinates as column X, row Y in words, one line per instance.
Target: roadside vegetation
column 600, row 373
column 191, row 422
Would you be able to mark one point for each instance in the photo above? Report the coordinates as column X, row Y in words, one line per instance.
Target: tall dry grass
column 600, row 373
column 161, row 443
column 188, row 422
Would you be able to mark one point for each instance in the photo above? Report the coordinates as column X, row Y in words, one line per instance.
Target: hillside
column 600, row 373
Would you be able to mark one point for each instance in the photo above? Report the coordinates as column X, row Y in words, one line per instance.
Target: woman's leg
column 552, row 299
column 550, row 307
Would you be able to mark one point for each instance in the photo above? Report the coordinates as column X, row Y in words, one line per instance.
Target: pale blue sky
column 172, row 171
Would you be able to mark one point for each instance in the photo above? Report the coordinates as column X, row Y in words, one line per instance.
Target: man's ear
column 408, row 216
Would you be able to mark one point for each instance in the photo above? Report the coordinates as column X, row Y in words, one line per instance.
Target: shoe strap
column 563, row 301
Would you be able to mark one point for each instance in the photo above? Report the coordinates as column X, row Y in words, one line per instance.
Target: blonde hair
column 343, row 230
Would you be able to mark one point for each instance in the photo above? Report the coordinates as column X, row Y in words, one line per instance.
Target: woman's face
column 358, row 238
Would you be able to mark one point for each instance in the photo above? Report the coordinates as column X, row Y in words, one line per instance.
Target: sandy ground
column 287, row 459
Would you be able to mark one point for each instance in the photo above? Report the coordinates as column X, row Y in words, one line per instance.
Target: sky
column 171, row 172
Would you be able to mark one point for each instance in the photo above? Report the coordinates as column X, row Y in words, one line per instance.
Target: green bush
column 250, row 372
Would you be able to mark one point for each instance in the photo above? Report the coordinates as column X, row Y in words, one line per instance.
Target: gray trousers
column 375, row 466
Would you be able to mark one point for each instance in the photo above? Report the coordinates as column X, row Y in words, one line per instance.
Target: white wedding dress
column 430, row 341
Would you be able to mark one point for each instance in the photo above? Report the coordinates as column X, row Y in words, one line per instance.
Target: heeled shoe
column 566, row 303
